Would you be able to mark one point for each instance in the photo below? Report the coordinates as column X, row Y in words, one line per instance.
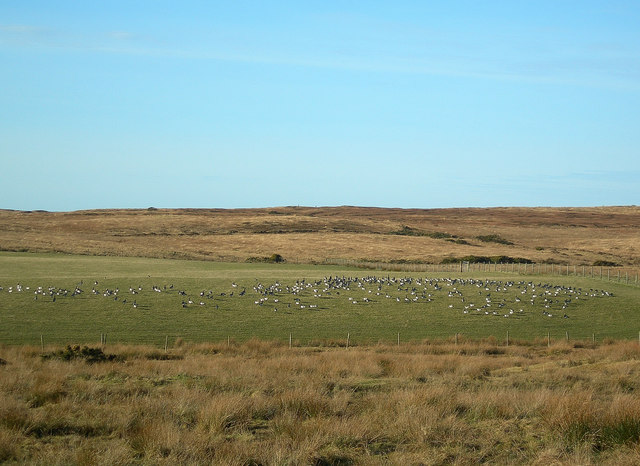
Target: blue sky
column 257, row 104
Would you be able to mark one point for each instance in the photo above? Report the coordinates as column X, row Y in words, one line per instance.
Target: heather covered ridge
column 575, row 236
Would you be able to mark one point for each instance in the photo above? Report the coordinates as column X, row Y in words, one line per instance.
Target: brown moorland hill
column 577, row 236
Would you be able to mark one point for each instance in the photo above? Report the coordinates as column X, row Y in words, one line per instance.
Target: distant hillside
column 577, row 236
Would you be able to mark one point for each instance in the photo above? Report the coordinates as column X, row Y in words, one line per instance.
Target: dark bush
column 493, row 239
column 487, row 260
column 273, row 258
column 603, row 263
column 439, row 235
column 408, row 231
column 458, row 241
column 90, row 355
column 277, row 258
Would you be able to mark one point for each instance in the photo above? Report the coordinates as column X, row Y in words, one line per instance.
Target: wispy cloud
column 590, row 73
column 613, row 177
column 598, row 65
column 26, row 35
column 121, row 35
column 19, row 28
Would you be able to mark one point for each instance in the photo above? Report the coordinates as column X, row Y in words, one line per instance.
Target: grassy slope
column 577, row 236
column 83, row 318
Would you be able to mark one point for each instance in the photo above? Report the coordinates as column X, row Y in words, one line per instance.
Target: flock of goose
column 466, row 296
column 494, row 298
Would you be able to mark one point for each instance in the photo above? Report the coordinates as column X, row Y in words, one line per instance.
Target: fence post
column 166, row 343
column 42, row 342
column 548, row 339
column 289, row 340
column 507, row 337
column 348, row 336
column 398, row 338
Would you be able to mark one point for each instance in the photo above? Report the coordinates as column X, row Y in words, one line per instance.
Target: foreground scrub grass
column 265, row 403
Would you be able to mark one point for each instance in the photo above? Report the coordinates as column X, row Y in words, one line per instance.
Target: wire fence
column 627, row 275
column 169, row 342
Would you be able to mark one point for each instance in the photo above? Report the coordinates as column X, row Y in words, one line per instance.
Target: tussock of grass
column 602, row 424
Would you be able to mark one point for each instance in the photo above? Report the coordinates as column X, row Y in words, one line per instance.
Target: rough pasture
column 265, row 403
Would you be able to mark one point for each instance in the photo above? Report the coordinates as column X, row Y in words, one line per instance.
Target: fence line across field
column 618, row 274
column 347, row 341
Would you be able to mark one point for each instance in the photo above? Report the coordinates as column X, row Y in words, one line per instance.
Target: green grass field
column 415, row 305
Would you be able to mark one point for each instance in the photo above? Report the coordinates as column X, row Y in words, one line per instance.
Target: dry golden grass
column 264, row 403
column 577, row 236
